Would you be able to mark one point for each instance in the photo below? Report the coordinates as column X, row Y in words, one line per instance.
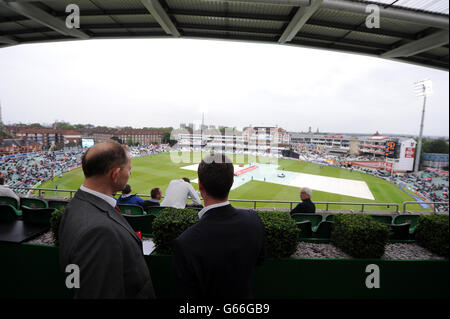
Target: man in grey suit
column 95, row 236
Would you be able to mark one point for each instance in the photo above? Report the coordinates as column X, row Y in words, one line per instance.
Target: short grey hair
column 307, row 190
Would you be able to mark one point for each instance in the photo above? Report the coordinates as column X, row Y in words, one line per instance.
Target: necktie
column 118, row 209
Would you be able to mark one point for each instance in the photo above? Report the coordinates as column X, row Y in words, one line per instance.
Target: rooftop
column 412, row 31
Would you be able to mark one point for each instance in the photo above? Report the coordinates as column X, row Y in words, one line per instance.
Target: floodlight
column 423, row 88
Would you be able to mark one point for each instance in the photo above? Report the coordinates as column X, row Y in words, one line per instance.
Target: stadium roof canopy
column 413, row 31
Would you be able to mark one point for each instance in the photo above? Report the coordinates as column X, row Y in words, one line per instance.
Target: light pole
column 422, row 88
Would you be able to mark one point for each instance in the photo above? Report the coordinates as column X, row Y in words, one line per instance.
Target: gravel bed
column 313, row 250
column 392, row 251
column 319, row 250
column 44, row 239
column 408, row 251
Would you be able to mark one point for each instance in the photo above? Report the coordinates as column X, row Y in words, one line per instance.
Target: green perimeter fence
column 32, row 271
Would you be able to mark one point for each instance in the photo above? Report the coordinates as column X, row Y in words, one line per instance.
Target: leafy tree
column 439, row 146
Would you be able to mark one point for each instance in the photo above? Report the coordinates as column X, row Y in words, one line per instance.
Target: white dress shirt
column 109, row 199
column 204, row 210
column 177, row 194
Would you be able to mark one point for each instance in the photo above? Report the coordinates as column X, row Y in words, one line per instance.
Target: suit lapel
column 109, row 210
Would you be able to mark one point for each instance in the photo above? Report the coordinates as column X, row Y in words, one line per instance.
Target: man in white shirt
column 178, row 192
column 6, row 191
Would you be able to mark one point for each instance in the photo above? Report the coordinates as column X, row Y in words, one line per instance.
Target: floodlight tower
column 422, row 88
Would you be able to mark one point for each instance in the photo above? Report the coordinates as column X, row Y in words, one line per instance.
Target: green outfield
column 158, row 170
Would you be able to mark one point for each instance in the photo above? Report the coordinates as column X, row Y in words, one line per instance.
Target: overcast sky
column 165, row 82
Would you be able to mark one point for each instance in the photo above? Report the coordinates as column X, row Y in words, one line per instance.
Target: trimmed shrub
column 169, row 224
column 55, row 220
column 432, row 233
column 281, row 233
column 359, row 235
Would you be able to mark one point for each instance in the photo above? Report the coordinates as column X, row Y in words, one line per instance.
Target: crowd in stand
column 30, row 169
column 27, row 170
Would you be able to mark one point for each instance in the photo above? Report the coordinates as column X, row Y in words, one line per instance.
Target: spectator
column 6, row 191
column 156, row 195
column 215, row 258
column 129, row 199
column 306, row 206
column 94, row 235
column 178, row 192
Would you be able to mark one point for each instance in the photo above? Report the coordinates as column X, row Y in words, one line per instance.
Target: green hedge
column 281, row 233
column 169, row 224
column 432, row 233
column 281, row 230
column 360, row 235
column 55, row 220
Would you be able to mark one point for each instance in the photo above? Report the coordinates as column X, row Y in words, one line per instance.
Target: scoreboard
column 392, row 149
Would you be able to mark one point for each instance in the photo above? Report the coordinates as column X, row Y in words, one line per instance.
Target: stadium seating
column 155, row 210
column 37, row 215
column 413, row 220
column 33, row 202
column 143, row 223
column 384, row 219
column 58, row 204
column 131, row 210
column 4, row 200
column 323, row 230
column 330, row 218
column 7, row 213
column 305, row 229
column 400, row 231
column 313, row 218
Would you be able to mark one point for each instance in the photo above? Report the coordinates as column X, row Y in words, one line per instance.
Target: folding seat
column 324, row 230
column 384, row 219
column 400, row 231
column 143, row 223
column 131, row 210
column 305, row 229
column 7, row 213
column 5, row 200
column 413, row 220
column 155, row 210
column 33, row 202
column 37, row 215
column 313, row 218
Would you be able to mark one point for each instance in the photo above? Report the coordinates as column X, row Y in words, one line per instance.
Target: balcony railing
column 363, row 206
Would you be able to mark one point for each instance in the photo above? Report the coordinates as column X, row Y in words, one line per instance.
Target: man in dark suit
column 215, row 258
column 306, row 206
column 95, row 236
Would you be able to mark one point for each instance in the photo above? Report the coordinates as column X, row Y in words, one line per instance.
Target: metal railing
column 42, row 191
column 432, row 204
